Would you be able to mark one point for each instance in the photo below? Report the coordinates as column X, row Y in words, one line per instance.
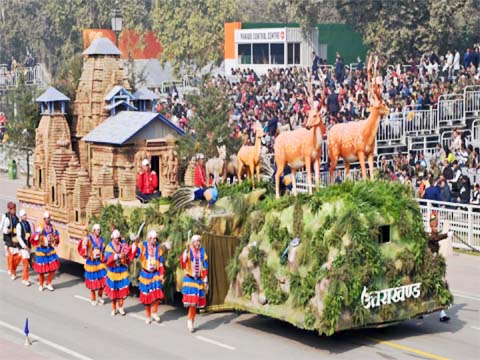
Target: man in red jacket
column 147, row 183
column 200, row 177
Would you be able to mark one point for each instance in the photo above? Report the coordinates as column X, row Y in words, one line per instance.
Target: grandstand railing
column 9, row 79
column 476, row 132
column 462, row 219
column 452, row 110
column 472, row 101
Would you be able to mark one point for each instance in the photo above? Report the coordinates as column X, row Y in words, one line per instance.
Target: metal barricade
column 476, row 131
column 390, row 129
column 472, row 101
column 451, row 110
column 462, row 219
column 420, row 122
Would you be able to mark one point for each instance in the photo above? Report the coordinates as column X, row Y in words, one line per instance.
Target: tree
column 405, row 28
column 52, row 30
column 23, row 121
column 210, row 124
column 306, row 13
column 191, row 32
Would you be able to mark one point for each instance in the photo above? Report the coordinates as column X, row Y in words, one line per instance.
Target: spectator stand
column 476, row 132
column 462, row 219
column 33, row 76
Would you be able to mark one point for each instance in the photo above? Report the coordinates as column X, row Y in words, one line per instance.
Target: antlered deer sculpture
column 356, row 140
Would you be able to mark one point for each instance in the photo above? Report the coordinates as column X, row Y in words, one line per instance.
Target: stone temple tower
column 102, row 70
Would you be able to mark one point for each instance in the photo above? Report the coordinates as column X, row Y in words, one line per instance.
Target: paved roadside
column 8, row 188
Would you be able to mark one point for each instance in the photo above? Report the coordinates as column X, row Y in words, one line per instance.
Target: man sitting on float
column 201, row 191
column 147, row 183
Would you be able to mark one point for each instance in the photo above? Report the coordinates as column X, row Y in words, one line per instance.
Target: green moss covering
column 340, row 254
column 249, row 286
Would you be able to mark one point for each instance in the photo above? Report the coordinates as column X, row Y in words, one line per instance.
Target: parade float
column 347, row 256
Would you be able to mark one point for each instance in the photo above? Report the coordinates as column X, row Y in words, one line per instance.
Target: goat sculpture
column 214, row 166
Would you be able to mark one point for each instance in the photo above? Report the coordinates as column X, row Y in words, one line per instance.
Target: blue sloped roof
column 116, row 103
column 115, row 90
column 102, row 46
column 118, row 129
column 145, row 94
column 52, row 94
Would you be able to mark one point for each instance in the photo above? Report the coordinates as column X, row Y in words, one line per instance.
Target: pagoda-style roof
column 102, row 46
column 124, row 126
column 145, row 93
column 52, row 94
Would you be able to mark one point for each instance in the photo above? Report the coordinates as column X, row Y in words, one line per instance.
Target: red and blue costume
column 95, row 269
column 152, row 273
column 46, row 258
column 117, row 281
column 151, row 277
column 195, row 264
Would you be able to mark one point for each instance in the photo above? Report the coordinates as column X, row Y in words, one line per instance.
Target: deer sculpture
column 301, row 147
column 356, row 140
column 249, row 157
column 214, row 166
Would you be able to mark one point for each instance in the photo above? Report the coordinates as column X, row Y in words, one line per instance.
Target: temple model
column 356, row 140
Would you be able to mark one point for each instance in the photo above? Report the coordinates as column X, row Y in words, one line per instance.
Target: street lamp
column 117, row 20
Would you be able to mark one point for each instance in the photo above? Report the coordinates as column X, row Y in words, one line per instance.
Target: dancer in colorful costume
column 46, row 259
column 117, row 257
column 151, row 276
column 24, row 233
column 92, row 249
column 194, row 261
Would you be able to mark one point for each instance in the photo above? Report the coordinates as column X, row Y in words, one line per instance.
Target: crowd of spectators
column 441, row 177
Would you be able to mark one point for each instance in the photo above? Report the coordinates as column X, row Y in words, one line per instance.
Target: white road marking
column 475, row 328
column 466, row 296
column 136, row 316
column 46, row 342
column 215, row 342
column 143, row 318
column 81, row 298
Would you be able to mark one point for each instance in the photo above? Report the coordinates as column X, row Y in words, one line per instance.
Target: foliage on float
column 319, row 286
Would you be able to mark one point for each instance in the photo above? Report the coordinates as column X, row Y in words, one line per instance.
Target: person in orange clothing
column 151, row 276
column 147, row 183
column 24, row 232
column 194, row 261
column 200, row 176
column 46, row 258
column 92, row 248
